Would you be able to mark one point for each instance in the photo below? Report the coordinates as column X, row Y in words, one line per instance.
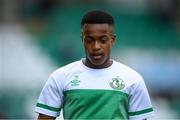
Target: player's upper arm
column 140, row 106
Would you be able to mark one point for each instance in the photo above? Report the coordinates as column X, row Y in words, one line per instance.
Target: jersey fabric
column 116, row 92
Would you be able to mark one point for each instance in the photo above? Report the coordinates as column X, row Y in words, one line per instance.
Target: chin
column 97, row 62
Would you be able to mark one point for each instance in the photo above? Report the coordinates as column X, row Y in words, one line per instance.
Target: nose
column 96, row 46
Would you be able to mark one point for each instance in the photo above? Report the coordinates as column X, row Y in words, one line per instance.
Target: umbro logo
column 75, row 81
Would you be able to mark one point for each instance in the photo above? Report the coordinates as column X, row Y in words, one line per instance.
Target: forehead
column 96, row 28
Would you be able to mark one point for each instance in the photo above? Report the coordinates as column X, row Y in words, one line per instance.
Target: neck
column 90, row 65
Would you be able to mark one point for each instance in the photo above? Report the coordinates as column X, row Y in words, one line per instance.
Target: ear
column 81, row 36
column 113, row 37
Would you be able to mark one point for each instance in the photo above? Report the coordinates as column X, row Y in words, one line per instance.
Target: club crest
column 117, row 83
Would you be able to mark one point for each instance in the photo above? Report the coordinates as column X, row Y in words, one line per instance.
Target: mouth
column 97, row 56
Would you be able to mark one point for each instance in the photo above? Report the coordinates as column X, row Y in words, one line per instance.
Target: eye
column 88, row 39
column 103, row 39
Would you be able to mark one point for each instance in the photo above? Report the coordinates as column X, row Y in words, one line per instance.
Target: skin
column 45, row 117
column 98, row 40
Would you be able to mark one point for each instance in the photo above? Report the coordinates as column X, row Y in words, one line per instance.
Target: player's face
column 98, row 40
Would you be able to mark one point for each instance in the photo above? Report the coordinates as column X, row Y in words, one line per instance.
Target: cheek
column 86, row 48
column 108, row 48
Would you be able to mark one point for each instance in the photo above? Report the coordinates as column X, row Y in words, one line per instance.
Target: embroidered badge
column 117, row 83
column 75, row 81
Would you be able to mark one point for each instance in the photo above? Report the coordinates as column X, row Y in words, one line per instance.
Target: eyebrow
column 90, row 36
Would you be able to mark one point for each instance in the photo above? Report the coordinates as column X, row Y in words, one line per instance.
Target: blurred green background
column 39, row 36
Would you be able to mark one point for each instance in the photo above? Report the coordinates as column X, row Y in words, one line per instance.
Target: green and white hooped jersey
column 116, row 92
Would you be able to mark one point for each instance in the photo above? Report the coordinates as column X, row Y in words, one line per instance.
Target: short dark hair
column 97, row 17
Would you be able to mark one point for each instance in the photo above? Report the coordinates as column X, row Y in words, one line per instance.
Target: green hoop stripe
column 91, row 90
column 140, row 112
column 48, row 107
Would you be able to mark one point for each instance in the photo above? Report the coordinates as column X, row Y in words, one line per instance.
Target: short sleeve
column 140, row 106
column 50, row 99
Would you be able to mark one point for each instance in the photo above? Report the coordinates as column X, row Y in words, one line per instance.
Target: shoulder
column 66, row 69
column 128, row 72
column 131, row 78
column 59, row 76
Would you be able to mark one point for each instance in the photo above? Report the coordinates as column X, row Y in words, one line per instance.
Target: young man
column 95, row 87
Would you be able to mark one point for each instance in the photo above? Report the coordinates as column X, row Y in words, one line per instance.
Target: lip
column 97, row 56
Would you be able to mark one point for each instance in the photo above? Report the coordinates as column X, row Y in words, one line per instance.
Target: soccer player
column 95, row 87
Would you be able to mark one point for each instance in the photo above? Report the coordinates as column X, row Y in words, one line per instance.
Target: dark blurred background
column 39, row 36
